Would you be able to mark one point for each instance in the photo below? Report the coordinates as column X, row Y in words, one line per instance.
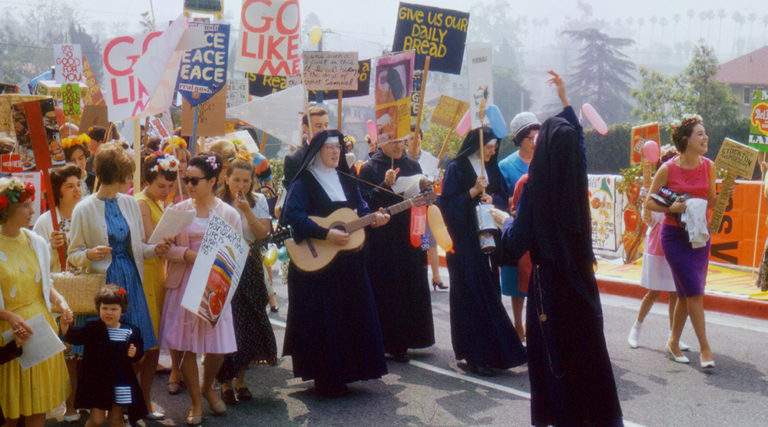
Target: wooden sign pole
column 263, row 144
column 759, row 211
column 445, row 145
column 137, row 155
column 338, row 125
column 414, row 149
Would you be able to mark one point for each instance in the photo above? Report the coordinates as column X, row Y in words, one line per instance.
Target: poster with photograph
column 480, row 79
column 24, row 136
column 394, row 84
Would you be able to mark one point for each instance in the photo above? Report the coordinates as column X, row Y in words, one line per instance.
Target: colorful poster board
column 758, row 121
column 605, row 205
column 327, row 70
column 203, row 71
column 6, row 101
column 93, row 95
column 394, row 77
column 449, row 111
column 270, row 38
column 68, row 63
column 70, row 97
column 33, row 155
column 480, row 79
column 263, row 85
column 363, row 84
column 638, row 136
column 438, row 33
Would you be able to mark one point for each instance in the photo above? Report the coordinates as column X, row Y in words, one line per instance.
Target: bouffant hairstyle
column 97, row 133
column 112, row 164
column 70, row 151
column 111, row 294
column 520, row 136
column 223, row 148
column 149, row 172
column 226, row 195
column 60, row 175
column 682, row 132
column 209, row 163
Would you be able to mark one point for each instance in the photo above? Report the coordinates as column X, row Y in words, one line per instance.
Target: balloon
column 372, row 131
column 315, row 34
column 651, row 151
column 463, row 127
column 282, row 254
column 497, row 121
column 594, row 118
column 270, row 257
column 437, row 225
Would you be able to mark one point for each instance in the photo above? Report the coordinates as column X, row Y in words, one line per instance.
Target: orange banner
column 639, row 135
column 735, row 241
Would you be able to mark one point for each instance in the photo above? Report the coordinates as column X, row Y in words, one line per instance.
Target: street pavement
column 433, row 389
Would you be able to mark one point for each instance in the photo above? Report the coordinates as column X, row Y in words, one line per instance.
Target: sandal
column 228, row 396
column 174, row 387
column 193, row 420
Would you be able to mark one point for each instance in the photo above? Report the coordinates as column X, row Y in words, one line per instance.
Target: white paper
column 278, row 114
column 171, row 224
column 40, row 346
column 408, row 186
column 428, row 163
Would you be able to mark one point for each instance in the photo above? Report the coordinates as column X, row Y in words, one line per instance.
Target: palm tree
column 663, row 22
column 654, row 20
column 676, row 20
column 738, row 20
column 691, row 13
column 752, row 18
column 720, row 16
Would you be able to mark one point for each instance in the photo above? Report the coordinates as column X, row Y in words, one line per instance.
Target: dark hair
column 153, row 143
column 70, row 151
column 413, row 128
column 97, row 133
column 111, row 294
column 226, row 195
column 209, row 163
column 395, row 83
column 149, row 176
column 112, row 163
column 518, row 139
column 60, row 175
column 681, row 134
column 314, row 110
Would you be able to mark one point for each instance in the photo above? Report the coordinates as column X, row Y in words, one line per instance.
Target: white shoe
column 678, row 359
column 634, row 334
column 708, row 365
column 683, row 346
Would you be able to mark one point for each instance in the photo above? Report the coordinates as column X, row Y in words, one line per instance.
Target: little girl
column 106, row 379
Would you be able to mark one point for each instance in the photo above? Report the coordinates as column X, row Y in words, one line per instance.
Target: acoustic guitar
column 312, row 254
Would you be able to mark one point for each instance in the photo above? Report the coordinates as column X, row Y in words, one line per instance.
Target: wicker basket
column 79, row 290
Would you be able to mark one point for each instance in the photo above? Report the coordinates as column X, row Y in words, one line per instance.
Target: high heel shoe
column 674, row 358
column 438, row 285
column 709, row 364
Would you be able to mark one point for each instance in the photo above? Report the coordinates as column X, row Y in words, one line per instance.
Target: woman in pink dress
column 181, row 331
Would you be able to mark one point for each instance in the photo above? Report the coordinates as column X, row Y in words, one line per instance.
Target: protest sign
column 416, row 93
column 10, row 163
column 758, row 121
column 203, row 71
column 638, row 136
column 211, row 116
column 278, row 114
column 158, row 127
column 237, row 91
column 330, row 70
column 214, row 7
column 216, row 272
column 53, row 89
column 70, row 97
column 93, row 95
column 438, row 33
column 480, row 80
column 93, row 115
column 363, row 84
column 8, row 88
column 394, row 78
column 46, row 150
column 262, row 85
column 448, row 111
column 270, row 39
column 68, row 62
column 738, row 160
column 6, row 101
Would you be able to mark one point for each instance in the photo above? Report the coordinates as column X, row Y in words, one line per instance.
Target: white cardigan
column 42, row 251
column 89, row 229
column 44, row 227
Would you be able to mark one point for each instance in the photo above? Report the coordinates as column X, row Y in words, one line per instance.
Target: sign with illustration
column 758, row 121
column 638, row 136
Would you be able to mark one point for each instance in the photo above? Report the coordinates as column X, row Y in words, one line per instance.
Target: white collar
column 474, row 160
column 328, row 178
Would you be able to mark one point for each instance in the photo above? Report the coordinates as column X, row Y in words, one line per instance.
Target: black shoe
column 438, row 285
column 243, row 394
column 480, row 370
column 400, row 357
column 228, row 396
column 274, row 309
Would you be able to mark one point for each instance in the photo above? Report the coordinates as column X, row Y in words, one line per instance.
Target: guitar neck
column 370, row 218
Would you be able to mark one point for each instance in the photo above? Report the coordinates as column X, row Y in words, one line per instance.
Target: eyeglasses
column 194, row 180
column 332, row 147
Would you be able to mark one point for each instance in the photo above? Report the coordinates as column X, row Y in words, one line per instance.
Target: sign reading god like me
column 270, row 39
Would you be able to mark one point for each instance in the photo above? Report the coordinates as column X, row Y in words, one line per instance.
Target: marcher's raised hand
column 242, row 203
column 391, row 177
column 131, row 350
column 558, row 81
column 57, row 239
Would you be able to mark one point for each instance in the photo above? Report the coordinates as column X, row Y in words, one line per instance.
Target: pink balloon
column 651, row 151
column 372, row 131
column 464, row 124
column 594, row 118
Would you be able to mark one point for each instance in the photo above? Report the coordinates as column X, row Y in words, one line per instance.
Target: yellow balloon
column 437, row 225
column 315, row 34
column 270, row 257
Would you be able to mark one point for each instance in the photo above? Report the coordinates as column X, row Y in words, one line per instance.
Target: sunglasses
column 194, row 180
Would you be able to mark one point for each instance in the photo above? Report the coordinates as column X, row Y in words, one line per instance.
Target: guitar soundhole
column 338, row 226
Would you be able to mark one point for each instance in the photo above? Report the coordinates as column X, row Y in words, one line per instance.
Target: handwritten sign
column 394, row 78
column 638, row 136
column 203, row 71
column 438, row 33
column 211, row 116
column 363, row 84
column 330, row 70
column 68, row 61
column 738, row 160
column 93, row 95
column 480, row 79
column 237, row 91
column 70, row 97
column 449, row 111
column 270, row 39
column 758, row 121
column 94, row 115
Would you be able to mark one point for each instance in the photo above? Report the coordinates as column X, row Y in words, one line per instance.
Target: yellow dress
column 45, row 386
column 154, row 270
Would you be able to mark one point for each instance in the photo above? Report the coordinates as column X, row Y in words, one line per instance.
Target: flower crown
column 687, row 119
column 178, row 142
column 166, row 163
column 16, row 192
column 211, row 160
column 350, row 138
column 82, row 139
column 244, row 155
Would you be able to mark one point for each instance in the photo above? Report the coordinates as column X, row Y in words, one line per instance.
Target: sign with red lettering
column 10, row 163
column 93, row 95
column 69, row 63
column 203, row 71
column 270, row 39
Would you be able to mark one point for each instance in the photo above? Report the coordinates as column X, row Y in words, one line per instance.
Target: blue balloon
column 498, row 125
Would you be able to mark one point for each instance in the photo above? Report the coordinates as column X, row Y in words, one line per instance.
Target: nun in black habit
column 481, row 331
column 333, row 332
column 572, row 382
column 398, row 271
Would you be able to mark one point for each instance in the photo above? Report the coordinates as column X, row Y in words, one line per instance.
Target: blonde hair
column 112, row 164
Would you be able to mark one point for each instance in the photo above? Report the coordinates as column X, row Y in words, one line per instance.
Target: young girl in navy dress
column 106, row 379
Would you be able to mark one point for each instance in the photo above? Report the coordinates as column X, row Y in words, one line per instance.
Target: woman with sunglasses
column 181, row 331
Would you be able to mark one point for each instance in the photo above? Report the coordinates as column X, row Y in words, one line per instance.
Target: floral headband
column 211, row 160
column 243, row 155
column 687, row 119
column 166, row 163
column 82, row 139
column 350, row 139
column 178, row 142
column 16, row 192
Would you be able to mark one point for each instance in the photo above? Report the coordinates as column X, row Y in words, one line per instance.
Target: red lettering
column 131, row 88
column 282, row 28
column 244, row 50
column 108, row 50
column 273, row 44
column 115, row 99
column 275, row 70
column 244, row 20
column 148, row 39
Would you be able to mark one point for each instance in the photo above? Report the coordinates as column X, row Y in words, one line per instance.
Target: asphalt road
column 433, row 389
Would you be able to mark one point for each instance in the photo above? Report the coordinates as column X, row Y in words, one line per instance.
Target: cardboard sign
column 758, row 121
column 363, row 85
column 237, row 91
column 6, row 101
column 93, row 95
column 638, row 136
column 203, row 71
column 606, row 206
column 394, row 78
column 10, row 163
column 94, row 115
column 70, row 97
column 330, row 70
column 734, row 242
column 68, row 62
column 216, row 272
column 736, row 158
column 37, row 133
column 270, row 38
column 211, row 116
column 438, row 33
column 449, row 111
column 203, row 6
column 480, row 79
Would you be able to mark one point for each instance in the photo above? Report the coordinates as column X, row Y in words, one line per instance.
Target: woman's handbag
column 79, row 289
